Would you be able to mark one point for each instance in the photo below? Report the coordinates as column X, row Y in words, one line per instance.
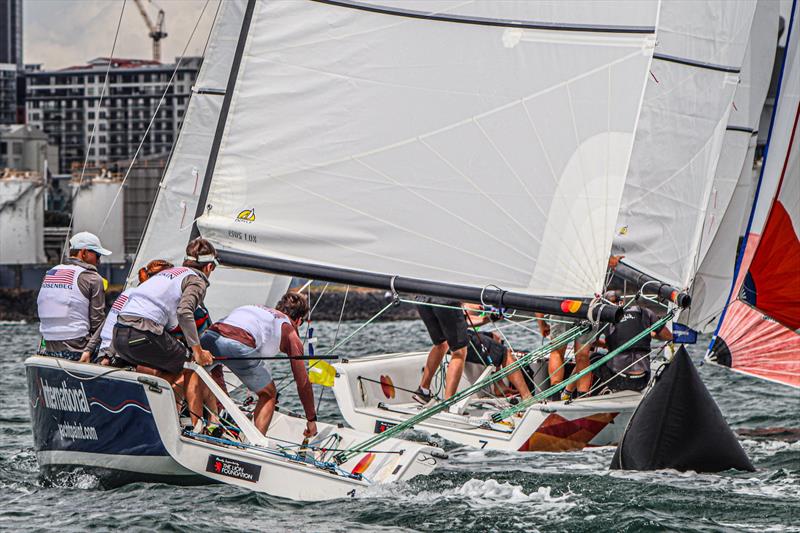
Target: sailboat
column 687, row 99
column 123, row 426
column 759, row 331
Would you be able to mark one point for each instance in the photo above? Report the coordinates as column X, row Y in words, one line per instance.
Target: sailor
column 487, row 347
column 140, row 336
column 252, row 332
column 583, row 345
column 447, row 328
column 630, row 369
column 105, row 355
column 72, row 301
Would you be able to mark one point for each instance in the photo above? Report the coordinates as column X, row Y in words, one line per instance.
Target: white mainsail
column 735, row 180
column 701, row 47
column 171, row 219
column 469, row 143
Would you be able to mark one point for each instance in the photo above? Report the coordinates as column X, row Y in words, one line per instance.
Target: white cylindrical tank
column 92, row 203
column 21, row 220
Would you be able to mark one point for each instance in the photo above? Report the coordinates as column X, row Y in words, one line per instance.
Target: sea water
column 472, row 491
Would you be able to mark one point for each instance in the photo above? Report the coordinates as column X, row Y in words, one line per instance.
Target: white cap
column 87, row 241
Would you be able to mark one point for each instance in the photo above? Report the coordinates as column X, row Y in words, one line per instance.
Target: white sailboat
column 124, row 426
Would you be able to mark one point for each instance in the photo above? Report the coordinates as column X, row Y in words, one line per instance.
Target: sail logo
column 64, row 398
column 248, row 216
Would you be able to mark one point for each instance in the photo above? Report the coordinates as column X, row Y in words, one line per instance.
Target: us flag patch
column 57, row 276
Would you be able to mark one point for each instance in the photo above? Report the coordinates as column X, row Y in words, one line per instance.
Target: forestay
column 701, row 46
column 458, row 142
column 759, row 333
column 735, row 180
column 170, row 224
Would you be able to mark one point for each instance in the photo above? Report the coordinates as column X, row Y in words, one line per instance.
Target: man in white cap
column 72, row 301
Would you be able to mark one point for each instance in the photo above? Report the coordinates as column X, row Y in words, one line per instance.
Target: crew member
column 140, row 336
column 105, row 355
column 252, row 332
column 72, row 301
column 630, row 369
column 447, row 328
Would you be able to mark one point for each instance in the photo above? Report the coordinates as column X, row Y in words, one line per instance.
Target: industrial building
column 27, row 148
column 64, row 104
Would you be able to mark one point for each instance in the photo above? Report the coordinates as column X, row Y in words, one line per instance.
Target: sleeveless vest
column 63, row 309
column 157, row 298
column 263, row 323
column 108, row 326
column 632, row 324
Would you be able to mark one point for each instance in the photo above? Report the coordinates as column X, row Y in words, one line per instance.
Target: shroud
column 678, row 425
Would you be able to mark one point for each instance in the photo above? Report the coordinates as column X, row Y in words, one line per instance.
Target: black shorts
column 617, row 381
column 444, row 323
column 485, row 350
column 162, row 352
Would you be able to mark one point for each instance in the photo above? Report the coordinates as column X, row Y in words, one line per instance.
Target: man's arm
column 193, row 292
column 91, row 286
column 475, row 315
column 292, row 346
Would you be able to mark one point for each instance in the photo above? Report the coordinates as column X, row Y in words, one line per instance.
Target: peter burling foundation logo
column 247, row 216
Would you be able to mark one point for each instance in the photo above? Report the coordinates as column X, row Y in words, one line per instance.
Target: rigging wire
column 161, row 183
column 94, row 126
column 155, row 114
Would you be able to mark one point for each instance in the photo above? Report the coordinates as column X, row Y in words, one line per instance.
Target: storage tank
column 93, row 201
column 21, row 218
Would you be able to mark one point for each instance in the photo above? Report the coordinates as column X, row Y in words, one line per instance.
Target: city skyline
column 54, row 31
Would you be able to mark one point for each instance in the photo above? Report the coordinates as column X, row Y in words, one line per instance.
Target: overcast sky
column 60, row 33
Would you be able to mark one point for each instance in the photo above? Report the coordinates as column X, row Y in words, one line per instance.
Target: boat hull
column 373, row 394
column 85, row 419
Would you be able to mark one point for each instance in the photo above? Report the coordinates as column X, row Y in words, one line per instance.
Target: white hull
column 94, row 418
column 370, row 395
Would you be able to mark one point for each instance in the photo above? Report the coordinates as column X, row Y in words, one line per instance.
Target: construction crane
column 156, row 30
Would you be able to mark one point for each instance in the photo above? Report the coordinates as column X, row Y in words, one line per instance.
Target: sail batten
column 468, row 154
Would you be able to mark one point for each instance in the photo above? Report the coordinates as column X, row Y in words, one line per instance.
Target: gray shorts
column 254, row 373
column 564, row 325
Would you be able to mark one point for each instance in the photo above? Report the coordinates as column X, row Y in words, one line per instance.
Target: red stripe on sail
column 760, row 346
column 775, row 269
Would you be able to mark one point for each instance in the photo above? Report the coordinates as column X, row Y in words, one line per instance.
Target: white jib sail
column 460, row 142
column 701, row 47
column 734, row 182
column 170, row 224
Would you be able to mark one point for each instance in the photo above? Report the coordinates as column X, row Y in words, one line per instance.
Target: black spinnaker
column 678, row 425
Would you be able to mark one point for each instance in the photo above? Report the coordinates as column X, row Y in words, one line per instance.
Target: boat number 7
column 483, row 443
column 352, row 493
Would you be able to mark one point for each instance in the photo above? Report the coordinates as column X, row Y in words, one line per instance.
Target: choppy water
column 473, row 491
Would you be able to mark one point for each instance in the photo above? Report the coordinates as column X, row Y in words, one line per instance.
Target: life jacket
column 631, row 325
column 62, row 307
column 157, row 298
column 202, row 321
column 263, row 323
column 111, row 318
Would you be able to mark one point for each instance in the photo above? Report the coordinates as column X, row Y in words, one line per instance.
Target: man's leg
column 581, row 363
column 265, row 407
column 555, row 365
column 516, row 378
column 432, row 364
column 194, row 394
column 454, row 371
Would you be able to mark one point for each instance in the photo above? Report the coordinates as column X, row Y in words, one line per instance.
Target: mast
column 223, row 116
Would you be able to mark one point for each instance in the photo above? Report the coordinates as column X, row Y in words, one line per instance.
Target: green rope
column 528, row 358
column 521, row 406
column 362, row 326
